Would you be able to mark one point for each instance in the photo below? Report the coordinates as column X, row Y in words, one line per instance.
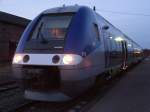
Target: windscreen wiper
column 40, row 34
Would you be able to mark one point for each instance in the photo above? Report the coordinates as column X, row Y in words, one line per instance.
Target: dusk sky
column 131, row 16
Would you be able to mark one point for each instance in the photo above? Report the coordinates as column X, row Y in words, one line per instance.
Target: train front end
column 48, row 61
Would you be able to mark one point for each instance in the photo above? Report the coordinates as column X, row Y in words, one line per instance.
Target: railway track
column 8, row 86
column 11, row 97
column 25, row 103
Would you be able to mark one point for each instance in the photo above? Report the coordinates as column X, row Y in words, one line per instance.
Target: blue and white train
column 64, row 50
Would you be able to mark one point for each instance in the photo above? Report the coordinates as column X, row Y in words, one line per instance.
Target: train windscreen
column 49, row 33
column 52, row 27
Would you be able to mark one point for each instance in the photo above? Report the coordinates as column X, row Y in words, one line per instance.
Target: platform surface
column 130, row 94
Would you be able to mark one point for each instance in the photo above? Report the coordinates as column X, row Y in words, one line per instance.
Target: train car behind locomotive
column 64, row 49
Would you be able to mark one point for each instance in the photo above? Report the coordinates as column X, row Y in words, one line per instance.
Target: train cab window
column 49, row 33
column 52, row 27
column 96, row 30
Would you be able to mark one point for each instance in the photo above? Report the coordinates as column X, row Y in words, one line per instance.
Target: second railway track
column 8, row 86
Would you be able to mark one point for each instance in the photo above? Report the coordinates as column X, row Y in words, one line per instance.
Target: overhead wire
column 124, row 13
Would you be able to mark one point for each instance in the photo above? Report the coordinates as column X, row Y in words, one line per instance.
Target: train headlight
column 68, row 59
column 17, row 58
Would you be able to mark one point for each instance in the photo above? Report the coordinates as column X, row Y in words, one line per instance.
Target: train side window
column 97, row 32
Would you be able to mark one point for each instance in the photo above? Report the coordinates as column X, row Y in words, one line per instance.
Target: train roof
column 117, row 30
column 63, row 9
column 75, row 8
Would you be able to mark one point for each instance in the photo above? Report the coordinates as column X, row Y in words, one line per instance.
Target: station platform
column 130, row 94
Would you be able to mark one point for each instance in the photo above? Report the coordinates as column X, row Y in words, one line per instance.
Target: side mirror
column 105, row 27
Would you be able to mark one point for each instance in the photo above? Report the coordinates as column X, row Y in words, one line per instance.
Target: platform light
column 119, row 39
column 68, row 59
column 17, row 58
column 110, row 37
column 129, row 45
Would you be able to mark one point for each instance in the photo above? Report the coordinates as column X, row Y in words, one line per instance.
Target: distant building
column 147, row 52
column 11, row 28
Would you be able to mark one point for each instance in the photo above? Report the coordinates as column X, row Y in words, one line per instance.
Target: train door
column 124, row 54
column 107, row 49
